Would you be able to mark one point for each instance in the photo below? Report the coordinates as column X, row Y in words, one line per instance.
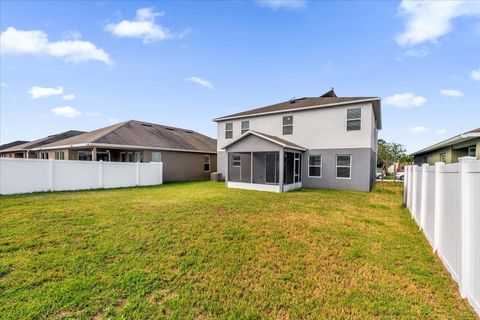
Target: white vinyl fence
column 444, row 200
column 32, row 175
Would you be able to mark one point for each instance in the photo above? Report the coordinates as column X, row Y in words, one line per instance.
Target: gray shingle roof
column 43, row 141
column 138, row 133
column 297, row 104
column 12, row 144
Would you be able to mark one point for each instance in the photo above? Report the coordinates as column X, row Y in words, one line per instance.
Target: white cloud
column 475, row 75
column 13, row 41
column 41, row 92
column 405, row 100
column 143, row 26
column 282, row 4
column 441, row 131
column 204, row 83
column 68, row 97
column 67, row 112
column 451, row 93
column 417, row 130
column 429, row 20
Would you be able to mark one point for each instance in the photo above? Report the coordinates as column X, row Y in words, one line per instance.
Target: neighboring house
column 318, row 142
column 186, row 154
column 12, row 144
column 448, row 151
column 28, row 149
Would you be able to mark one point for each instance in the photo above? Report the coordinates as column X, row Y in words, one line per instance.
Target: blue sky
column 84, row 65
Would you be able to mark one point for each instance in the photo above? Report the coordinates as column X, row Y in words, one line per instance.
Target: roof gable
column 273, row 139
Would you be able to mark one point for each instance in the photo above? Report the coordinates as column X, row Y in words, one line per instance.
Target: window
column 129, row 156
column 59, row 155
column 443, row 157
column 206, row 163
column 237, row 163
column 354, row 119
column 287, row 125
column 43, row 155
column 245, row 126
column 229, row 130
column 315, row 166
column 85, row 155
column 472, row 151
column 104, row 156
column 156, row 156
column 344, row 166
column 123, row 156
column 138, row 156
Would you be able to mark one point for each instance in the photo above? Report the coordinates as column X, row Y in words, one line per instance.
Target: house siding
column 362, row 170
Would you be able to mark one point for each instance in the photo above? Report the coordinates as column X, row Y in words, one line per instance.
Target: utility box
column 216, row 176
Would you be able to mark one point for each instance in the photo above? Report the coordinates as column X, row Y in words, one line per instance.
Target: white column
column 100, row 174
column 469, row 195
column 51, row 180
column 438, row 205
column 423, row 197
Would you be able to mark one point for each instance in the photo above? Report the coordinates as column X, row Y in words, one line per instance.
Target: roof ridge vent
column 329, row 94
column 293, row 100
column 169, row 128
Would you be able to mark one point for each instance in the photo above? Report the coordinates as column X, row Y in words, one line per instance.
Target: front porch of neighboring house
column 257, row 161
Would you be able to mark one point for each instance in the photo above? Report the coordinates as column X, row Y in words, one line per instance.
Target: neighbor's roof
column 327, row 100
column 140, row 135
column 279, row 141
column 12, row 144
column 475, row 133
column 43, row 141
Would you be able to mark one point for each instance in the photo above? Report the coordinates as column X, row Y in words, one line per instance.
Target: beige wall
column 184, row 166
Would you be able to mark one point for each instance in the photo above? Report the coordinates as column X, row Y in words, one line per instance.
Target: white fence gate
column 32, row 175
column 444, row 200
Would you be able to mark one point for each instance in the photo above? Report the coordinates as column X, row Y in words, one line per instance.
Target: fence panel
column 27, row 175
column 75, row 175
column 449, row 200
column 32, row 175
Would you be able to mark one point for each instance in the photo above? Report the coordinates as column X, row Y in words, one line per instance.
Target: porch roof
column 273, row 139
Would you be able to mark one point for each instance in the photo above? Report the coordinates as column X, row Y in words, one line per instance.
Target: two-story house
column 317, row 142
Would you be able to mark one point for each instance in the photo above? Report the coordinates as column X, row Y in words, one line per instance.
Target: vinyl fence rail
column 444, row 200
column 33, row 175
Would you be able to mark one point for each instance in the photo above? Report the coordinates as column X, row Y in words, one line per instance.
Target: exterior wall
column 361, row 169
column 320, row 128
column 185, row 166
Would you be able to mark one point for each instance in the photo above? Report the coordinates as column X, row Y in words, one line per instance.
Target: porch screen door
column 271, row 168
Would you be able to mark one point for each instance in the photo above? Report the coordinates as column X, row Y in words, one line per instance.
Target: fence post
column 415, row 191
column 405, row 185
column 100, row 174
column 51, row 180
column 410, row 187
column 161, row 172
column 138, row 173
column 468, row 194
column 438, row 218
column 423, row 195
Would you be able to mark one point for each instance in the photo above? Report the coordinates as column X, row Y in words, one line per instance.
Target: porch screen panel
column 289, row 167
column 239, row 167
column 271, row 168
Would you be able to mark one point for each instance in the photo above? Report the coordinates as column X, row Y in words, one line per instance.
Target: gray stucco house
column 316, row 142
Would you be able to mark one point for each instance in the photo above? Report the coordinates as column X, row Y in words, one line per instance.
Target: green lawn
column 200, row 251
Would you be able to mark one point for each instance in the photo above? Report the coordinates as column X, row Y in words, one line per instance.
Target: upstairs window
column 287, row 125
column 206, row 163
column 354, row 119
column 344, row 166
column 229, row 130
column 245, row 126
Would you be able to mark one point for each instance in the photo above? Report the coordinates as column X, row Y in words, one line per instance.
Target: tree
column 389, row 153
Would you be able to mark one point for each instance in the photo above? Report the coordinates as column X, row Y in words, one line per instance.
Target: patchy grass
column 198, row 250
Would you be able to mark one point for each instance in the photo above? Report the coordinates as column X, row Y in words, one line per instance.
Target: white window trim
column 239, row 161
column 59, row 153
column 287, row 125
column 228, row 130
column 242, row 129
column 337, row 166
column 346, row 123
column 443, row 154
column 320, row 166
column 206, row 156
